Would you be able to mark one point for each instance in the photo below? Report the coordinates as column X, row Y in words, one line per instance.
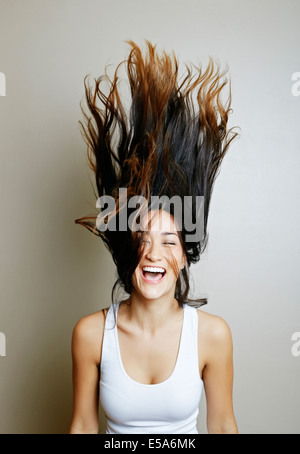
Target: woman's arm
column 218, row 378
column 86, row 348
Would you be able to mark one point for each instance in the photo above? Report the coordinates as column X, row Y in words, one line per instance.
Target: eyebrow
column 162, row 233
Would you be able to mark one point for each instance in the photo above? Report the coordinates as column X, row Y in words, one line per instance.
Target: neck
column 152, row 314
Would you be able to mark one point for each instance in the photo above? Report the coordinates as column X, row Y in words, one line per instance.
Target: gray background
column 53, row 272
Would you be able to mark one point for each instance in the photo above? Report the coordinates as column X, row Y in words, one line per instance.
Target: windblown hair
column 164, row 143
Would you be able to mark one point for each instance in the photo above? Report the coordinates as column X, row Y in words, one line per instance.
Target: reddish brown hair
column 170, row 141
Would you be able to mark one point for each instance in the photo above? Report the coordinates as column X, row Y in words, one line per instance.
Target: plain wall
column 53, row 272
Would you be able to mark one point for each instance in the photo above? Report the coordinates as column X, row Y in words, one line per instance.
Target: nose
column 153, row 252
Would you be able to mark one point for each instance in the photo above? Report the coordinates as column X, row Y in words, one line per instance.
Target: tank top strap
column 189, row 347
column 191, row 321
column 112, row 315
column 109, row 347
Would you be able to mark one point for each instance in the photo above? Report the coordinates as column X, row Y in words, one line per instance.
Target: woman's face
column 155, row 276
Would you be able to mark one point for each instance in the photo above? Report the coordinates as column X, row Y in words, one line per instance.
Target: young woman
column 149, row 357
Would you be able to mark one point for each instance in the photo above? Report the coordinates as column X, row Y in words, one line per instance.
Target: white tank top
column 169, row 407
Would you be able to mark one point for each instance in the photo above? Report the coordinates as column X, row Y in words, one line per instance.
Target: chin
column 151, row 292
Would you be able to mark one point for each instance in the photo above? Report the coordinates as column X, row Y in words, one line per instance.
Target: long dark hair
column 169, row 141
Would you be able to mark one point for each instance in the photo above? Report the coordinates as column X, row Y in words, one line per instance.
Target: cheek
column 182, row 261
column 134, row 276
column 178, row 258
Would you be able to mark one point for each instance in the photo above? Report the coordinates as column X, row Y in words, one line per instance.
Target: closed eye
column 162, row 243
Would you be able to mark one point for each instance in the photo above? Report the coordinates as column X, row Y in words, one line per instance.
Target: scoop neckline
column 154, row 385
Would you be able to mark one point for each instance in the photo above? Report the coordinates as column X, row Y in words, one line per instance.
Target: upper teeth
column 153, row 269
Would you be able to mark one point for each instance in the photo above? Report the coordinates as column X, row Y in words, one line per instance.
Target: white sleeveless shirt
column 169, row 407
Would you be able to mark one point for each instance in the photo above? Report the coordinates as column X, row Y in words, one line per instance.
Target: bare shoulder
column 213, row 330
column 87, row 326
column 88, row 335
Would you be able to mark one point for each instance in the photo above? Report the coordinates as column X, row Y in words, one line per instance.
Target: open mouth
column 153, row 274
